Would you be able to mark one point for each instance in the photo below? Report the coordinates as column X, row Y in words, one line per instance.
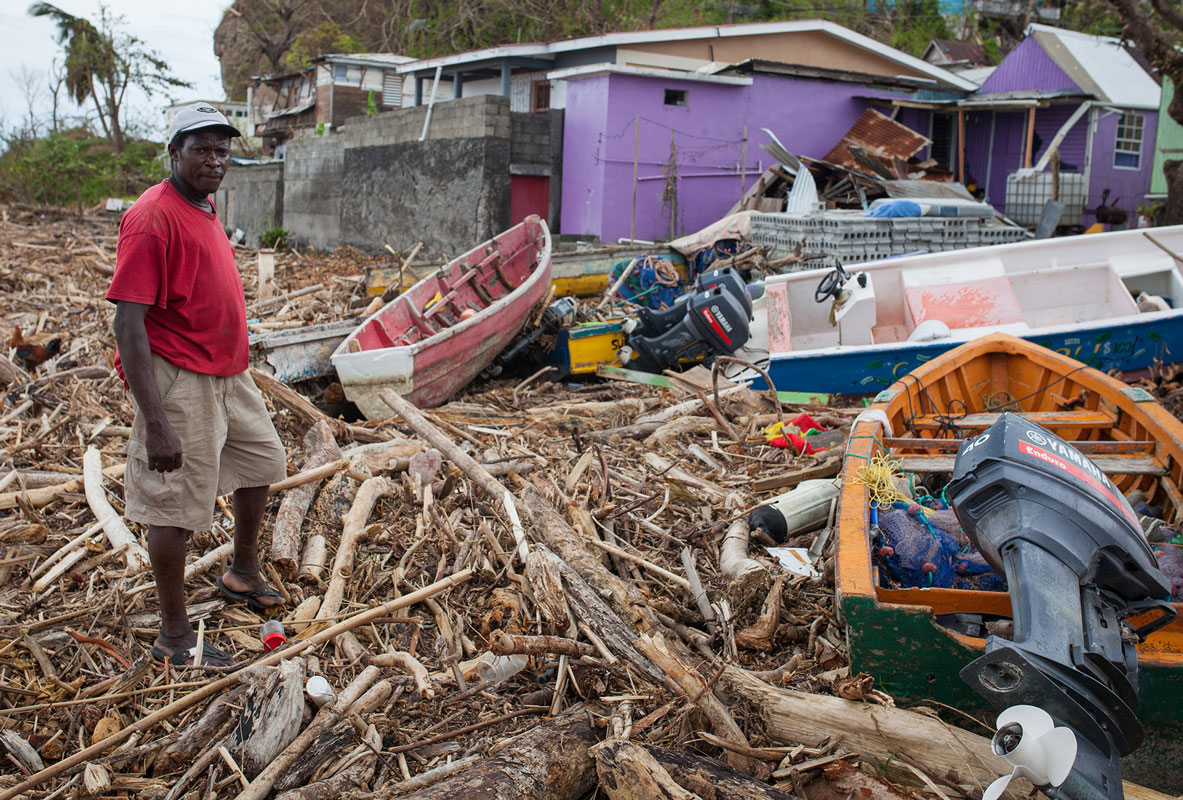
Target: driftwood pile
column 537, row 591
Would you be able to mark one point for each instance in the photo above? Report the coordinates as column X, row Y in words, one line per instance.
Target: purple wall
column 1127, row 186
column 1028, row 68
column 808, row 116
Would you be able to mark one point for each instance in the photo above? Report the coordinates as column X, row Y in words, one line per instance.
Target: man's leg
column 244, row 574
column 166, row 550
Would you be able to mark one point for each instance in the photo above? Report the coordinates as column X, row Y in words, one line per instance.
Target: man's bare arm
column 163, row 444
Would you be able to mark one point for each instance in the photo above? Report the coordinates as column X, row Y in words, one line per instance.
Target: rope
column 878, row 476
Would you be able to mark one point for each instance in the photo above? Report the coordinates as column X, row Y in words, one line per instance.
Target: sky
column 182, row 32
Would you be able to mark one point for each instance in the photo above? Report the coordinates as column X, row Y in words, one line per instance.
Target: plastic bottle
column 800, row 510
column 319, row 690
column 494, row 669
column 273, row 635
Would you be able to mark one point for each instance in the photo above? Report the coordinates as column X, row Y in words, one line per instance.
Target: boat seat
column 971, row 295
column 419, row 319
column 1048, row 419
column 1132, row 464
column 1086, row 446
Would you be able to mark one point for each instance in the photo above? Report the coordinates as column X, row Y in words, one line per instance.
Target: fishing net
column 653, row 282
column 919, row 547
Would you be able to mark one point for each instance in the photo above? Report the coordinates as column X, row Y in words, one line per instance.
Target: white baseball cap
column 196, row 117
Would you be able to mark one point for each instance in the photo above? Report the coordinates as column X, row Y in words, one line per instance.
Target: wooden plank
column 1089, row 447
column 1109, row 464
column 787, row 480
column 1175, row 497
column 1048, row 419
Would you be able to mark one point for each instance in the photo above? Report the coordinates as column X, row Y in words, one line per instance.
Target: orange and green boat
column 913, row 640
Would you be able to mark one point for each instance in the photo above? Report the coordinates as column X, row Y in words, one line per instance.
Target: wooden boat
column 583, row 273
column 434, row 338
column 1076, row 295
column 299, row 354
column 904, row 637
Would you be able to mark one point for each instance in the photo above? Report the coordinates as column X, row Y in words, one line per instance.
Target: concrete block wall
column 313, row 172
column 251, row 199
column 373, row 178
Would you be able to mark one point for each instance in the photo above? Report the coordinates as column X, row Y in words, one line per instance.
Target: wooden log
column 312, row 562
column 270, row 717
column 177, row 706
column 325, row 719
column 356, row 776
column 437, row 439
column 411, row 665
column 593, row 611
column 285, row 536
column 549, row 760
column 883, row 732
column 505, row 644
column 698, row 692
column 710, row 778
column 354, row 525
column 38, row 498
column 117, row 533
column 328, row 745
column 746, row 577
column 635, row 431
column 687, row 480
column 286, row 397
column 195, row 739
column 627, row 772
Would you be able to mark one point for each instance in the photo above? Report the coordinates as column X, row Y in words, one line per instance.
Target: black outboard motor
column 654, row 323
column 1077, row 565
column 708, row 324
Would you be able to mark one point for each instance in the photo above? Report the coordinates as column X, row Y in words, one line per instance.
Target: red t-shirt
column 176, row 258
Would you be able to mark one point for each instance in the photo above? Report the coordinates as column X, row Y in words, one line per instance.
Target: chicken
column 33, row 354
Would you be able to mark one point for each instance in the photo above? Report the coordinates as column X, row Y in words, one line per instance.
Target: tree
column 273, row 25
column 324, row 38
column 1157, row 30
column 102, row 61
column 29, row 83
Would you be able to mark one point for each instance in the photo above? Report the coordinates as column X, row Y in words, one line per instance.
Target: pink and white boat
column 434, row 338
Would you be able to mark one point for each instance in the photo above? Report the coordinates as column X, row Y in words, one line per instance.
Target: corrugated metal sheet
column 962, row 51
column 1028, row 68
column 1100, row 64
column 1072, row 149
column 879, row 136
column 926, row 189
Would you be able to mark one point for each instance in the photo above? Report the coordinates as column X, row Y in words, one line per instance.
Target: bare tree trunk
column 1173, row 215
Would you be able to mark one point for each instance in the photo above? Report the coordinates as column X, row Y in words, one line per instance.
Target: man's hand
column 164, row 446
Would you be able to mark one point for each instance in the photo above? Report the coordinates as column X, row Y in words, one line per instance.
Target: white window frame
column 1126, row 124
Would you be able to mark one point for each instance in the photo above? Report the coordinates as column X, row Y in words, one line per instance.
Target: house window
column 392, row 90
column 345, row 75
column 1127, row 151
column 541, row 96
column 675, row 97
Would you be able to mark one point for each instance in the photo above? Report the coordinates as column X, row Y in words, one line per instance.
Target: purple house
column 654, row 153
column 1086, row 99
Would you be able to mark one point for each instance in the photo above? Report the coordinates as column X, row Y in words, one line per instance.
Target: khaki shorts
column 227, row 443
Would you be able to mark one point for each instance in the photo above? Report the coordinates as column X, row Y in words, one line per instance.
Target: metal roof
column 547, row 50
column 1100, row 65
column 879, row 136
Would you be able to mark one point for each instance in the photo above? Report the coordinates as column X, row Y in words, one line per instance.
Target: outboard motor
column 654, row 323
column 1077, row 565
column 707, row 324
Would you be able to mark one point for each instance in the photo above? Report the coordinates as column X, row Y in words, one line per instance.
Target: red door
column 528, row 194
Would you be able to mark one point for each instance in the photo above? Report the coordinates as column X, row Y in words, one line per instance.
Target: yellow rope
column 879, row 477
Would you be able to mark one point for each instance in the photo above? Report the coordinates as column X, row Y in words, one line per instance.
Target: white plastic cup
column 319, row 690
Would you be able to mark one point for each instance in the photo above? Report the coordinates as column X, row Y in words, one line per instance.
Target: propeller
column 1039, row 751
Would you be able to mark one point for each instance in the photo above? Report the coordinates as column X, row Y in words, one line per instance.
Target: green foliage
column 917, row 22
column 275, row 238
column 75, row 167
column 371, row 103
column 993, row 50
column 324, row 38
column 1098, row 17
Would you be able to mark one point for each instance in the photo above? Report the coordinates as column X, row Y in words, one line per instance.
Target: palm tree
column 101, row 63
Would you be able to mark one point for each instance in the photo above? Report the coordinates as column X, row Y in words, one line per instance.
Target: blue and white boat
column 1111, row 300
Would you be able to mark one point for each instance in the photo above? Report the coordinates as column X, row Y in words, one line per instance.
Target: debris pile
column 533, row 591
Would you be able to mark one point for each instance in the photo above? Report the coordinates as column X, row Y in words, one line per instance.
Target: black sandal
column 251, row 598
column 183, row 657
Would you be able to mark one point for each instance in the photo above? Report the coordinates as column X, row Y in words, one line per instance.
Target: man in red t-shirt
column 201, row 428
